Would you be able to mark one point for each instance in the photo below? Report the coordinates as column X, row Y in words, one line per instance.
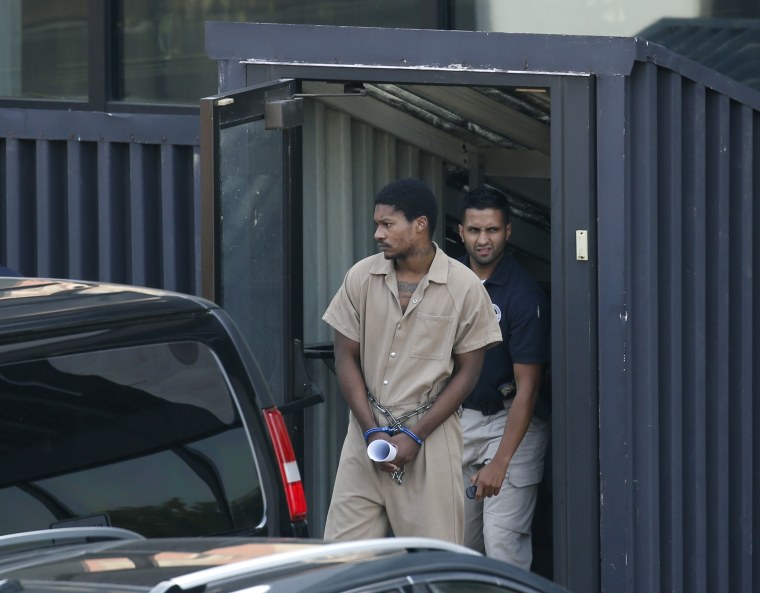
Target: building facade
column 632, row 172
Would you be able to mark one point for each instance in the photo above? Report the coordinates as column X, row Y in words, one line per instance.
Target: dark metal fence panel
column 19, row 167
column 574, row 484
column 677, row 430
column 101, row 197
column 614, row 401
column 82, row 210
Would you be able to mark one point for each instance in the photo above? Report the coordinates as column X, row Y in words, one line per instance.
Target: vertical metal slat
column 82, row 209
column 113, row 216
column 145, row 206
column 671, row 426
column 52, row 252
column 740, row 357
column 643, row 247
column 177, row 212
column 696, row 554
column 718, row 231
column 615, row 429
column 21, row 187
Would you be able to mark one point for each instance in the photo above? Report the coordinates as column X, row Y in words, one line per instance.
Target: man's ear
column 421, row 223
column 461, row 232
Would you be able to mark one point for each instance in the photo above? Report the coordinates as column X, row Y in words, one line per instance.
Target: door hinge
column 286, row 113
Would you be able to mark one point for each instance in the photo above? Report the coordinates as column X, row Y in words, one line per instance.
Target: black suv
column 137, row 408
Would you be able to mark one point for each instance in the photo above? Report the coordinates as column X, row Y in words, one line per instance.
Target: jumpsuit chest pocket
column 430, row 336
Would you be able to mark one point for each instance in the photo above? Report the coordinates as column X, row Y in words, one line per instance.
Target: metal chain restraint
column 395, row 425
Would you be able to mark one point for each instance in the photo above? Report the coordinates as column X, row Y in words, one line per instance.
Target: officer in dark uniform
column 504, row 438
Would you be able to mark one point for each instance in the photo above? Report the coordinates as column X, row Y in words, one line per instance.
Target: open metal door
column 251, row 211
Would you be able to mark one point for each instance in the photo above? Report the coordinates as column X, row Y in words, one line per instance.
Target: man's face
column 484, row 235
column 395, row 235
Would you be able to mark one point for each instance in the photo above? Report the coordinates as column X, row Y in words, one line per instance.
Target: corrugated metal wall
column 345, row 163
column 678, row 334
column 100, row 196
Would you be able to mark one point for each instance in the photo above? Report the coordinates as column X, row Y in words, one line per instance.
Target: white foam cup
column 381, row 450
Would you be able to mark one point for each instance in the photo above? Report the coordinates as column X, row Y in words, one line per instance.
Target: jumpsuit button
column 393, row 355
column 385, row 382
column 414, row 301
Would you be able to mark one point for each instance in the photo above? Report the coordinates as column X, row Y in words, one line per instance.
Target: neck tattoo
column 407, row 287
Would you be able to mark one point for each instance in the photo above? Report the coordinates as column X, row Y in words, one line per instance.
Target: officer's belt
column 489, row 408
column 486, row 408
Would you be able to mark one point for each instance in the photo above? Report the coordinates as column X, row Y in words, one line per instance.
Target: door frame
column 248, row 54
column 238, row 107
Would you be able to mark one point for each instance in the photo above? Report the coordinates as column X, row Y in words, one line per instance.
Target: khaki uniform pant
column 500, row 526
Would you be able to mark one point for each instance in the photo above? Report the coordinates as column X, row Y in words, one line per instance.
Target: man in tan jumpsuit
column 411, row 329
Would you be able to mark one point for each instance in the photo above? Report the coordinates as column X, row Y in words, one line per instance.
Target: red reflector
column 286, row 459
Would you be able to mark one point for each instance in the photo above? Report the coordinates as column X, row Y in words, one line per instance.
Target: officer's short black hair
column 484, row 197
column 411, row 197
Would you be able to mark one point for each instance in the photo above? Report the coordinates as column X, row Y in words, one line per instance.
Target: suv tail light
column 286, row 459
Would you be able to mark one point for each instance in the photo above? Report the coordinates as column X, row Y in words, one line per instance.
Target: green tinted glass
column 160, row 43
column 43, row 49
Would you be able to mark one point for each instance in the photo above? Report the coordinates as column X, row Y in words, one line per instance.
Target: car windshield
column 147, row 438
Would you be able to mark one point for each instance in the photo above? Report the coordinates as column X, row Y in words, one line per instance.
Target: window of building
column 161, row 56
column 590, row 17
column 152, row 51
column 43, row 49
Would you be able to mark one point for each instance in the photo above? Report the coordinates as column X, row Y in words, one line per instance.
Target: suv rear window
column 147, row 438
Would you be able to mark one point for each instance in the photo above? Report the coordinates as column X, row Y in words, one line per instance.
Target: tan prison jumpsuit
column 407, row 358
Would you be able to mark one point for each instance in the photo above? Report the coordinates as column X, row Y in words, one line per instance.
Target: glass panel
column 148, row 436
column 162, row 58
column 589, row 17
column 43, row 49
column 252, row 245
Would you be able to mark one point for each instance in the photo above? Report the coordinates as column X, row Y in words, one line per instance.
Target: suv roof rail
column 65, row 534
column 322, row 551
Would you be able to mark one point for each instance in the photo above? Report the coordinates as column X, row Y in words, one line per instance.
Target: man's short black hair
column 484, row 197
column 411, row 197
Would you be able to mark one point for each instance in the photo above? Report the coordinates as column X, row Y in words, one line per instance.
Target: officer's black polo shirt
column 523, row 311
